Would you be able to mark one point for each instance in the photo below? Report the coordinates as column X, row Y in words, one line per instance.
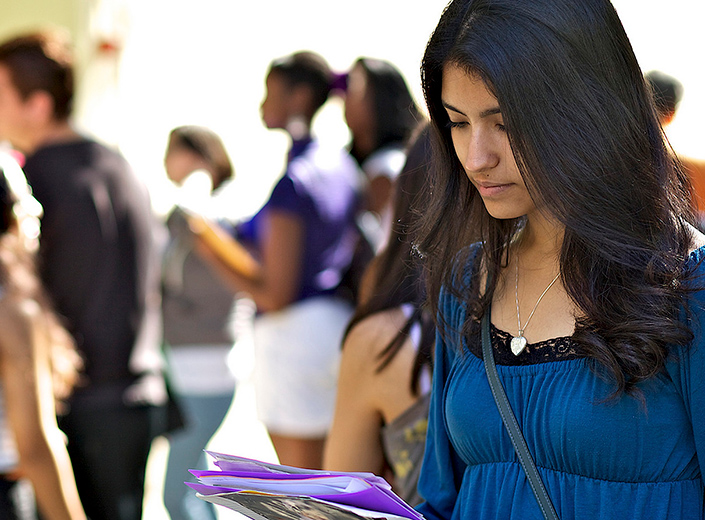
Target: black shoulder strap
column 512, row 426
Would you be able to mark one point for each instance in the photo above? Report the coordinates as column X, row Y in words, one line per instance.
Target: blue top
column 321, row 186
column 599, row 460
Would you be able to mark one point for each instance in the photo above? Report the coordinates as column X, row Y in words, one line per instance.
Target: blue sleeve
column 442, row 470
column 687, row 371
column 285, row 197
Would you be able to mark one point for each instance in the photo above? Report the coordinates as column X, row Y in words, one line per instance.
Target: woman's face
column 482, row 145
column 358, row 102
column 179, row 161
column 275, row 106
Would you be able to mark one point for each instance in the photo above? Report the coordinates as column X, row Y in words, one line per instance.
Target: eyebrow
column 485, row 113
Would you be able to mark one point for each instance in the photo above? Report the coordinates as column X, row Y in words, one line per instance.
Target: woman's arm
column 278, row 277
column 354, row 442
column 442, row 469
column 368, row 399
column 27, row 385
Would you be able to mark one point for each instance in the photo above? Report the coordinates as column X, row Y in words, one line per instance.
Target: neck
column 56, row 132
column 541, row 236
column 298, row 128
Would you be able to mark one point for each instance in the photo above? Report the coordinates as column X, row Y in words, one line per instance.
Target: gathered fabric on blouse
column 599, row 458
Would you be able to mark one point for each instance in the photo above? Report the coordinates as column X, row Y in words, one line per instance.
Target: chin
column 508, row 208
column 505, row 213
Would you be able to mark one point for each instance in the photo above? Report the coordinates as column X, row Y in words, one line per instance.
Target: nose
column 481, row 152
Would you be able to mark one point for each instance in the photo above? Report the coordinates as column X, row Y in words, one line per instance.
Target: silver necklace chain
column 518, row 343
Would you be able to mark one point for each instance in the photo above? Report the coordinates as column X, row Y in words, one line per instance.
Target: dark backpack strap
column 512, row 426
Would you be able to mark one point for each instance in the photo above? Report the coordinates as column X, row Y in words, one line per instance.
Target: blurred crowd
column 139, row 313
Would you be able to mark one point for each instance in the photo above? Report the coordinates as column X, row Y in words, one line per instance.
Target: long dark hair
column 586, row 138
column 395, row 274
column 19, row 279
column 395, row 112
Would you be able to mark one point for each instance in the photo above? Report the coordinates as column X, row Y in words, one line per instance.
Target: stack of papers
column 263, row 491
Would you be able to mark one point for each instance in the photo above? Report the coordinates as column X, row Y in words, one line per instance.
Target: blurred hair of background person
column 304, row 239
column 381, row 114
column 668, row 92
column 39, row 367
column 99, row 261
column 199, row 313
column 385, row 373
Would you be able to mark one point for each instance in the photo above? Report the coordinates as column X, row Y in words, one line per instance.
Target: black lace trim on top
column 555, row 349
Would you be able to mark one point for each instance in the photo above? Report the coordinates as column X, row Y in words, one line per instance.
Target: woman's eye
column 456, row 124
column 501, row 127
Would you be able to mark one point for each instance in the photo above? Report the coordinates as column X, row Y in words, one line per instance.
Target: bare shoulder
column 387, row 391
column 369, row 337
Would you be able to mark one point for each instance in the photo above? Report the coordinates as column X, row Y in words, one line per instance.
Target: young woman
column 381, row 114
column 549, row 150
column 38, row 367
column 199, row 316
column 303, row 239
column 383, row 392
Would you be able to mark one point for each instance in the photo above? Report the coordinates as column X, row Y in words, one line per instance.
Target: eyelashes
column 462, row 124
column 455, row 124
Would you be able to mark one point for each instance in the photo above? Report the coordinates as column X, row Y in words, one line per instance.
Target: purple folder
column 377, row 497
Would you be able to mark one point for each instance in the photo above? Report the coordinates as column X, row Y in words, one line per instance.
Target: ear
column 40, row 106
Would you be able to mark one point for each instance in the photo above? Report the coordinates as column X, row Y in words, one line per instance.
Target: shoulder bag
column 512, row 426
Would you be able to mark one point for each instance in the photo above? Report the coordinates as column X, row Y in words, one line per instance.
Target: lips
column 491, row 189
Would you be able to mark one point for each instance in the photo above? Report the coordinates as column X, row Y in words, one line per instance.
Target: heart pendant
column 518, row 345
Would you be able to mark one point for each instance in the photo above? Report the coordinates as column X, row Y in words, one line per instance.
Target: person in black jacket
column 99, row 262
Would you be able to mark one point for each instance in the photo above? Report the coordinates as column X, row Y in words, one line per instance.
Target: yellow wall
column 21, row 15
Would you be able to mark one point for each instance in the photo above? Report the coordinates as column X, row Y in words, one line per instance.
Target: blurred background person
column 199, row 316
column 99, row 262
column 385, row 374
column 38, row 367
column 303, row 239
column 381, row 114
column 668, row 92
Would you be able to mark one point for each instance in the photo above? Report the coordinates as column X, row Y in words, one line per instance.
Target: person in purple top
column 303, row 238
